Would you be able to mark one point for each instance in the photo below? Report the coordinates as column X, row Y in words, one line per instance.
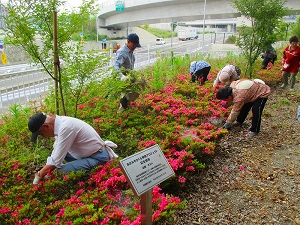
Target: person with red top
column 290, row 62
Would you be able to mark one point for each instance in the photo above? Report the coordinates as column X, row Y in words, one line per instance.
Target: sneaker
column 292, row 89
column 283, row 86
column 250, row 134
column 124, row 102
column 236, row 124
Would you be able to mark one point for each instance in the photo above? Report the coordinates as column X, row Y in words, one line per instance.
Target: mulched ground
column 251, row 180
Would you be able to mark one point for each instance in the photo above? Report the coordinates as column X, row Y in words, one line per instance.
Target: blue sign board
column 1, row 41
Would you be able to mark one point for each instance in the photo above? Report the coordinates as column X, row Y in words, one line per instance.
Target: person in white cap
column 227, row 74
column 76, row 142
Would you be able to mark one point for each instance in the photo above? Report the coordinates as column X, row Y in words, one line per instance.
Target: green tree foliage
column 264, row 16
column 296, row 27
column 30, row 24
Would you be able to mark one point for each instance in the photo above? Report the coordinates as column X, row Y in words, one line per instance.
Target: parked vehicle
column 187, row 34
column 160, row 41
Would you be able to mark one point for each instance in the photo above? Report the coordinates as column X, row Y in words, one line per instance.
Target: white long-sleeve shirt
column 78, row 138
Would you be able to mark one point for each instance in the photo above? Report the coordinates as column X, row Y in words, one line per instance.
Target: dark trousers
column 201, row 73
column 257, row 109
column 266, row 62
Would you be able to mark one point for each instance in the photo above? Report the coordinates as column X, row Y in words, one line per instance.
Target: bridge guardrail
column 22, row 87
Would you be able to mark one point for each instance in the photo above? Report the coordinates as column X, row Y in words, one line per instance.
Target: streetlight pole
column 204, row 12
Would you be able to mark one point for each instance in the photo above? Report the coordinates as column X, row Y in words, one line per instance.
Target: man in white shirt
column 76, row 142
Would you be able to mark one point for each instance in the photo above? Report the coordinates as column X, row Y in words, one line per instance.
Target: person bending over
column 76, row 142
column 227, row 74
column 245, row 95
column 199, row 71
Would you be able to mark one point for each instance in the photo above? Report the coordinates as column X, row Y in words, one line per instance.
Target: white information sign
column 146, row 169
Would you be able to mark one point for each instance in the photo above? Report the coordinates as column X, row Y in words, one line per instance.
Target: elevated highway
column 139, row 12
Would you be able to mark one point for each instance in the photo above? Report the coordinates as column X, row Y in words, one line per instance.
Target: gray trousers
column 85, row 164
column 285, row 76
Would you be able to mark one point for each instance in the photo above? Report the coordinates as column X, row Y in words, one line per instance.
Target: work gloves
column 37, row 178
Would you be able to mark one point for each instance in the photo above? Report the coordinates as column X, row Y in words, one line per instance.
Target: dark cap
column 134, row 38
column 224, row 93
column 34, row 124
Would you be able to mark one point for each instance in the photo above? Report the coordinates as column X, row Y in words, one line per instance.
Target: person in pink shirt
column 227, row 74
column 245, row 95
column 290, row 62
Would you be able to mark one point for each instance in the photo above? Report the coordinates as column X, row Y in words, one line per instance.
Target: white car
column 160, row 41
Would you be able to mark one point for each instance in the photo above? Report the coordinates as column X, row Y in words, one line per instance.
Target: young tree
column 264, row 16
column 31, row 25
column 295, row 28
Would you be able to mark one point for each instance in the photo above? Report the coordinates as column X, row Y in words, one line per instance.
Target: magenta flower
column 14, row 214
column 181, row 179
column 61, row 212
column 79, row 192
column 15, row 167
column 4, row 210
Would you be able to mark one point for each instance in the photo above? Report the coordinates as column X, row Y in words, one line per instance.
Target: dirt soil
column 251, row 180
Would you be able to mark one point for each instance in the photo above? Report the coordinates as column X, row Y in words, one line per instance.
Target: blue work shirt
column 198, row 66
column 124, row 58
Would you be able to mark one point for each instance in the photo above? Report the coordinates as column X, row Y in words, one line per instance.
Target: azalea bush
column 183, row 118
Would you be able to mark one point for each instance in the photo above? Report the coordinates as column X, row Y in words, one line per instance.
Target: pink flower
column 181, row 179
column 104, row 221
column 207, row 150
column 19, row 178
column 242, row 168
column 4, row 210
column 16, row 166
column 61, row 212
column 79, row 192
column 26, row 221
column 189, row 168
column 14, row 214
column 81, row 106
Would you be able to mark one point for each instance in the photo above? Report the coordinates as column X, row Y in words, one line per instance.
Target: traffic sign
column 119, row 5
column 1, row 41
column 81, row 34
column 1, row 46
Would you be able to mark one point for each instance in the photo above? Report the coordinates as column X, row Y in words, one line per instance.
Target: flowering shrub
column 178, row 117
